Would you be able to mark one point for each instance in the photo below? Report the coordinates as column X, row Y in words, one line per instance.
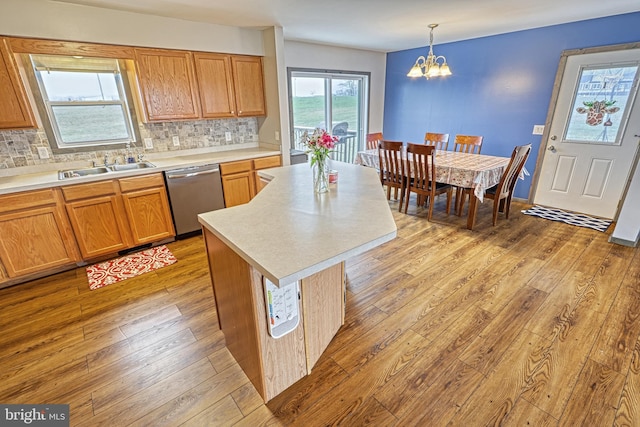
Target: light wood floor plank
column 495, row 397
column 422, row 310
column 595, row 398
column 442, row 399
column 525, row 414
column 415, row 385
column 192, row 402
column 486, row 350
column 554, row 379
column 628, row 409
column 223, row 413
column 621, row 329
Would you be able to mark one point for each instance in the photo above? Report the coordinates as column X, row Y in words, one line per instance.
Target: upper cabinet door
column 248, row 85
column 215, row 84
column 15, row 111
column 168, row 84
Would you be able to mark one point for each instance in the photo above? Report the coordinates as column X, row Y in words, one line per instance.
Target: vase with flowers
column 319, row 145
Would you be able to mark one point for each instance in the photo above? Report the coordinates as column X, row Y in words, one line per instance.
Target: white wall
column 62, row 21
column 308, row 55
column 275, row 77
column 627, row 231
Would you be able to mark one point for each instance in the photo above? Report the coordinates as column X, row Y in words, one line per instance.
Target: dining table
column 475, row 171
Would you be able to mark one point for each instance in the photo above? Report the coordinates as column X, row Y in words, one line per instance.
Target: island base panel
column 323, row 296
column 272, row 364
column 232, row 290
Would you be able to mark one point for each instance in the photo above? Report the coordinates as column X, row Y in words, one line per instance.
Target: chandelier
column 430, row 67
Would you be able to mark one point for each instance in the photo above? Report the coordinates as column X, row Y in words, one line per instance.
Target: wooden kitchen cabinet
column 237, row 182
column 147, row 207
column 215, row 85
column 168, row 84
column 264, row 163
column 113, row 215
column 248, row 85
column 36, row 234
column 230, row 85
column 15, row 111
column 98, row 218
column 240, row 180
column 3, row 272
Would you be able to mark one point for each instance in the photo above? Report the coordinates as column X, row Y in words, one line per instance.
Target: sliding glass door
column 334, row 101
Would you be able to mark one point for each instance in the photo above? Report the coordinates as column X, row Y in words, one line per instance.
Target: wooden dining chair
column 373, row 139
column 421, row 162
column 502, row 193
column 392, row 168
column 465, row 144
column 438, row 140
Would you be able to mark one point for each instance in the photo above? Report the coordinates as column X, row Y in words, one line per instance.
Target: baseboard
column 623, row 242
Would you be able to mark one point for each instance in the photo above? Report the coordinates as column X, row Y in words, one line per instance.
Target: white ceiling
column 380, row 25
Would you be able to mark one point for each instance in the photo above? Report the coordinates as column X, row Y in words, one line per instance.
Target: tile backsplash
column 19, row 148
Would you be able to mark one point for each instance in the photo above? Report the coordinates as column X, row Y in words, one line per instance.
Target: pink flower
column 319, row 144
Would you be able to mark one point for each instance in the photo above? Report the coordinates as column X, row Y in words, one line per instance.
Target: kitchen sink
column 74, row 173
column 131, row 166
column 97, row 170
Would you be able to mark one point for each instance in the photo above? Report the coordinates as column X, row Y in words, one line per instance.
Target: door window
column 333, row 101
column 600, row 104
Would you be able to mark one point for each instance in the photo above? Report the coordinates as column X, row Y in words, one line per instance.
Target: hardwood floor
column 531, row 322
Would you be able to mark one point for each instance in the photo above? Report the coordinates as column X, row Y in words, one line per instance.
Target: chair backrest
column 512, row 171
column 468, row 144
column 420, row 160
column 439, row 140
column 391, row 165
column 373, row 139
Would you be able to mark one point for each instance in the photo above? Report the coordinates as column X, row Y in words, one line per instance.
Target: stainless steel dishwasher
column 193, row 190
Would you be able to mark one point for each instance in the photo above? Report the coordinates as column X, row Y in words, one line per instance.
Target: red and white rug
column 132, row 265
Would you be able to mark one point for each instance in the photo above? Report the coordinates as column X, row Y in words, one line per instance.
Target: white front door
column 592, row 138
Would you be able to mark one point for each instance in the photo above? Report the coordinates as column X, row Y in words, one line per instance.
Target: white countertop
column 165, row 161
column 288, row 232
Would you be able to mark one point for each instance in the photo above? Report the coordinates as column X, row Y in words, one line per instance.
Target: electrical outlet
column 176, row 141
column 538, row 129
column 277, row 136
column 43, row 153
column 227, row 136
column 148, row 143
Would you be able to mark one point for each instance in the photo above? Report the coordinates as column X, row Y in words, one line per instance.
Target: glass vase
column 320, row 171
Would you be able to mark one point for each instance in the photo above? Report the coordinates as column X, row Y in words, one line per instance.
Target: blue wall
column 500, row 87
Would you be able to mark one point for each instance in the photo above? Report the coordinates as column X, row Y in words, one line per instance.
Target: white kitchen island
column 291, row 238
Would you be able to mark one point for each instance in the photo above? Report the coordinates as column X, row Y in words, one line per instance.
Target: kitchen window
column 85, row 102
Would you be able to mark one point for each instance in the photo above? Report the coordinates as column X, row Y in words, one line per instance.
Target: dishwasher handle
column 191, row 174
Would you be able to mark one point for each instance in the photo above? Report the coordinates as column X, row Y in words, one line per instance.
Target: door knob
column 553, row 137
column 552, row 148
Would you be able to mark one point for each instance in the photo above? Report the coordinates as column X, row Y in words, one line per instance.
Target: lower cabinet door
column 238, row 188
column 35, row 240
column 99, row 225
column 149, row 215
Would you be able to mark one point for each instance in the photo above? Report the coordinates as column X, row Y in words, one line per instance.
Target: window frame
column 329, row 75
column 44, row 107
